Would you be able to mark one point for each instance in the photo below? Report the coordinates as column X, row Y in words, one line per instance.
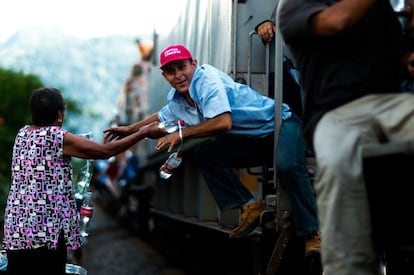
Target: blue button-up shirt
column 214, row 93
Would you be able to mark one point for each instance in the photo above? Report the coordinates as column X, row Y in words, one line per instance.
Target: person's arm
column 209, row 127
column 76, row 146
column 339, row 17
column 113, row 133
column 267, row 28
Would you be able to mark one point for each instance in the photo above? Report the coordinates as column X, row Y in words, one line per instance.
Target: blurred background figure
column 133, row 98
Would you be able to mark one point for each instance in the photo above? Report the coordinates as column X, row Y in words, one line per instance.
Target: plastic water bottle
column 75, row 269
column 87, row 135
column 173, row 161
column 171, row 126
column 85, row 174
column 3, row 260
column 83, row 180
column 86, row 213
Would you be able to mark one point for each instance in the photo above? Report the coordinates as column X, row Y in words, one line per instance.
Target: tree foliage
column 15, row 91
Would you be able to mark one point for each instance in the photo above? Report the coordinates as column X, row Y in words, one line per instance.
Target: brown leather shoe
column 313, row 243
column 249, row 219
column 313, row 261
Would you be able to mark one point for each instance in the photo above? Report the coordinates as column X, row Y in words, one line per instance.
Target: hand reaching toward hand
column 150, row 131
column 153, row 131
column 115, row 133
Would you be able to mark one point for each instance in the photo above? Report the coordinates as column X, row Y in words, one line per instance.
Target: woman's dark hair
column 45, row 104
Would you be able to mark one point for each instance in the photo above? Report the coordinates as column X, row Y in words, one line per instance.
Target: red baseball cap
column 174, row 53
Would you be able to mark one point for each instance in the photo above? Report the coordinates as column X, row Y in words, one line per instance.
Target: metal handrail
column 249, row 61
column 278, row 89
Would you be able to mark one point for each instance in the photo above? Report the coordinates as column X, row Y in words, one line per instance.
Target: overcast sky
column 88, row 18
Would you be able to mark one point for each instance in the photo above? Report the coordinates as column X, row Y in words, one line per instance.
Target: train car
column 220, row 33
column 217, row 32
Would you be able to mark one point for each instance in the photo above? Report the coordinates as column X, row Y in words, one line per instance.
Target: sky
column 89, row 18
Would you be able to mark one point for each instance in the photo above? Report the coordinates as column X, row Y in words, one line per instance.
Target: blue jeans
column 217, row 157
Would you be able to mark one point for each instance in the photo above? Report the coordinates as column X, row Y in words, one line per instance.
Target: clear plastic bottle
column 75, row 269
column 87, row 135
column 86, row 213
column 3, row 260
column 171, row 126
column 83, row 180
column 85, row 173
column 173, row 161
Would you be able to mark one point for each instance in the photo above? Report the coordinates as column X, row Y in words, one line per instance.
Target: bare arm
column 209, row 127
column 113, row 133
column 76, row 146
column 340, row 16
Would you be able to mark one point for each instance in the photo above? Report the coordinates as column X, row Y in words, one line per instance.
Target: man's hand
column 171, row 139
column 153, row 131
column 266, row 31
column 210, row 127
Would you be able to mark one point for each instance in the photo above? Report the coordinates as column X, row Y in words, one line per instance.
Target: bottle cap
column 181, row 122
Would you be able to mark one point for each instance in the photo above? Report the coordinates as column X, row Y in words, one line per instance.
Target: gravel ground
column 112, row 250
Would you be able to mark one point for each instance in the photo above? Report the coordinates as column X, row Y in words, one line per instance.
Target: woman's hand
column 114, row 133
